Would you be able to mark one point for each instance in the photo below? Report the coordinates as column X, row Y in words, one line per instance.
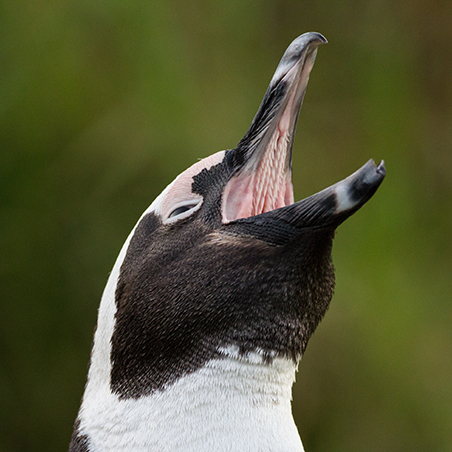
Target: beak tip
column 305, row 44
column 309, row 38
column 319, row 38
column 357, row 189
column 381, row 168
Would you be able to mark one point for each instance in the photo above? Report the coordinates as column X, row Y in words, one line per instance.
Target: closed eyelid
column 181, row 209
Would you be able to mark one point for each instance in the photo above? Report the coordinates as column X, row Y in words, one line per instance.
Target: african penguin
column 216, row 292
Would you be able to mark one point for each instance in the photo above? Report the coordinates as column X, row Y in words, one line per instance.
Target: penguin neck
column 236, row 402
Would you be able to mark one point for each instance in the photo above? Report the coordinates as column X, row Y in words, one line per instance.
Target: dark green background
column 103, row 103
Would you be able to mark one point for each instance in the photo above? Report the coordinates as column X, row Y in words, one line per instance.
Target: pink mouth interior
column 266, row 189
column 269, row 187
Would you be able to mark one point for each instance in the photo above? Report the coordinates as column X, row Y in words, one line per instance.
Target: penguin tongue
column 262, row 159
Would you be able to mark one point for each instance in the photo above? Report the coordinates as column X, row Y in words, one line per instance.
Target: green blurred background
column 103, row 103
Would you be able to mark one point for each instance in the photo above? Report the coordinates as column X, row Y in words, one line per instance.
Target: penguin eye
column 181, row 209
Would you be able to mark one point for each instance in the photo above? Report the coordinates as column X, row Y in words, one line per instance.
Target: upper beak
column 261, row 162
column 276, row 118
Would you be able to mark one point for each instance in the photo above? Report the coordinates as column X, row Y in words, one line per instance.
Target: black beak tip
column 364, row 183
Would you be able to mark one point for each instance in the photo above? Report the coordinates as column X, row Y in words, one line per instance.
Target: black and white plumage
column 216, row 292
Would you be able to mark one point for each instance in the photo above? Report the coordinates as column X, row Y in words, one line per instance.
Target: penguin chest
column 234, row 403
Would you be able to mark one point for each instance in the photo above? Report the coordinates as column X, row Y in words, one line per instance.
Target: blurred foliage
column 103, row 103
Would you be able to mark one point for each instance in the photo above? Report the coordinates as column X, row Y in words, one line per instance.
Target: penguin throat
column 267, row 188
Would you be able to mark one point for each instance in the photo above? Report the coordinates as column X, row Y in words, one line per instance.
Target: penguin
column 216, row 293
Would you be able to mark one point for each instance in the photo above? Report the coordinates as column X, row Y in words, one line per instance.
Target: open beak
column 262, row 174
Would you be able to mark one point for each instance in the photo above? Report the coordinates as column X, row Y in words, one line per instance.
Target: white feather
column 231, row 404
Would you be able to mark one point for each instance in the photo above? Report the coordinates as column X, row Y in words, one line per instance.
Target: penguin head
column 225, row 258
